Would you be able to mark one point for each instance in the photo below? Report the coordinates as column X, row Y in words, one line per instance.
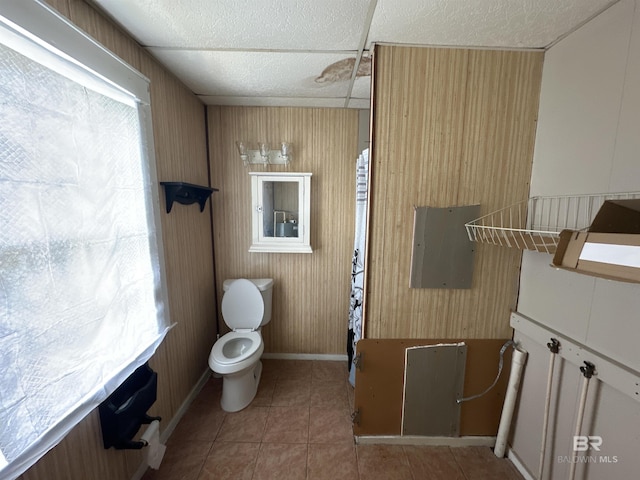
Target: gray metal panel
column 434, row 380
column 442, row 254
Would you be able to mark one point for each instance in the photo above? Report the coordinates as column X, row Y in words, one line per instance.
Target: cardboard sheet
column 609, row 249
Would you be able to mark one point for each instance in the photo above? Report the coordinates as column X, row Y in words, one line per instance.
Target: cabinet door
column 281, row 211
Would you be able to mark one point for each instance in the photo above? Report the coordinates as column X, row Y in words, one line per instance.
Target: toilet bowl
column 246, row 306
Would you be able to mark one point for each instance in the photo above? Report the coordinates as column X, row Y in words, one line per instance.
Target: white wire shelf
column 535, row 224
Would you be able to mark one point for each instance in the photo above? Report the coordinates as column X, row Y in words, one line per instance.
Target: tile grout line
column 308, row 435
column 264, row 430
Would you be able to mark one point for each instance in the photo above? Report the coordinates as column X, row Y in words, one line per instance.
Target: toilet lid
column 242, row 305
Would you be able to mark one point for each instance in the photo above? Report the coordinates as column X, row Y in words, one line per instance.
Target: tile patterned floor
column 299, row 428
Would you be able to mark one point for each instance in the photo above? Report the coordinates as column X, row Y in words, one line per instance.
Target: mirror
column 281, row 211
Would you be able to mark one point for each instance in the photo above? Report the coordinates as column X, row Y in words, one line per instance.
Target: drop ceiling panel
column 271, row 74
column 479, row 23
column 243, row 24
column 361, row 87
column 359, row 103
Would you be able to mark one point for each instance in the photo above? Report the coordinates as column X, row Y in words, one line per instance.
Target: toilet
column 246, row 307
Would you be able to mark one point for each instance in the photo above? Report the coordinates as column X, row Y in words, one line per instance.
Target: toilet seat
column 223, row 355
column 225, row 364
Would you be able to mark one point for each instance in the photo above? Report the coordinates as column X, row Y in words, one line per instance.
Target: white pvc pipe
column 545, row 424
column 517, row 365
column 583, row 402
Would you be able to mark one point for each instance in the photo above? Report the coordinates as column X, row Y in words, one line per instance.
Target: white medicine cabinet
column 281, row 203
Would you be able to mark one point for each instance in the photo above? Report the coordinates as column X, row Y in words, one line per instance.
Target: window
column 82, row 300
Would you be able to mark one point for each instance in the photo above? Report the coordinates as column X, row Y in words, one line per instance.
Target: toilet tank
column 265, row 285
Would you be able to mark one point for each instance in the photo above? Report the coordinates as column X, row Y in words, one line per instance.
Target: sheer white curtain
column 82, row 300
column 357, row 262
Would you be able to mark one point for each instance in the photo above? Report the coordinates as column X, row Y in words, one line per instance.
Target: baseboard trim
column 173, row 423
column 470, row 441
column 304, row 356
column 515, row 460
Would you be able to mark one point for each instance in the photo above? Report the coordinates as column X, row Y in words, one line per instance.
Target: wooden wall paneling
column 81, row 455
column 179, row 133
column 452, row 127
column 410, row 144
column 311, row 292
column 502, row 103
column 61, row 6
column 104, row 31
column 181, row 156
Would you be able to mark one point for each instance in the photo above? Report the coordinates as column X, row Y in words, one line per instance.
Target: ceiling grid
column 303, row 53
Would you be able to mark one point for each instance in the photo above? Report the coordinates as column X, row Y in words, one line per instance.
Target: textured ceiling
column 276, row 52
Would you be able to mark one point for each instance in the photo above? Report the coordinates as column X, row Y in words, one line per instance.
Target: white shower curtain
column 357, row 263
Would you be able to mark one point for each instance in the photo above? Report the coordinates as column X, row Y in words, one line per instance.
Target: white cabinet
column 281, row 205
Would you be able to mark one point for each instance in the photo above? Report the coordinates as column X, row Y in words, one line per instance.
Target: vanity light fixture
column 264, row 155
column 243, row 150
column 285, row 150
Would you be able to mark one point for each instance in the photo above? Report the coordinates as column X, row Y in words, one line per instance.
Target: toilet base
column 239, row 389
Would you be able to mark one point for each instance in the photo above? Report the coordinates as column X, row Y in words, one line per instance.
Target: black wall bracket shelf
column 186, row 194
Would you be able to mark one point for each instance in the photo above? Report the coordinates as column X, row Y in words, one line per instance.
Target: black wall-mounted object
column 186, row 194
column 125, row 410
